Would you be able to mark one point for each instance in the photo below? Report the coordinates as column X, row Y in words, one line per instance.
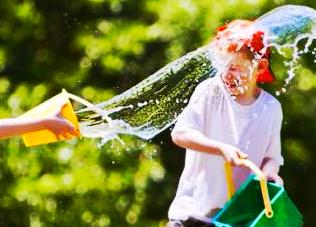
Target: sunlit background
column 97, row 49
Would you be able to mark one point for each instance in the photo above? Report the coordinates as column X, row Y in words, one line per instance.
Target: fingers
column 63, row 135
column 237, row 160
column 279, row 181
column 70, row 128
column 63, row 129
column 275, row 179
column 234, row 159
column 233, row 155
column 67, row 126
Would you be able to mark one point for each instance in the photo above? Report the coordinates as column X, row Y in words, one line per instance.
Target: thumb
column 278, row 180
column 237, row 161
column 242, row 155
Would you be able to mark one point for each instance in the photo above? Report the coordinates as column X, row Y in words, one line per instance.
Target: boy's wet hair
column 237, row 36
column 252, row 55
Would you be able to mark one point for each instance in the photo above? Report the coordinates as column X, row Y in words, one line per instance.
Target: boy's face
column 240, row 75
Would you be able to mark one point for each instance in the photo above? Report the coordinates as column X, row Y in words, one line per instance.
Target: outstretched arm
column 55, row 123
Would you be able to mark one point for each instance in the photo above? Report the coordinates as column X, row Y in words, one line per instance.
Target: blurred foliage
column 99, row 48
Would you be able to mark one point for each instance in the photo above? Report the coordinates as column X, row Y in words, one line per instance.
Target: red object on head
column 255, row 43
column 222, row 28
column 265, row 77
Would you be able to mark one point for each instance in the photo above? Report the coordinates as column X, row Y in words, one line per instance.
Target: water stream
column 153, row 105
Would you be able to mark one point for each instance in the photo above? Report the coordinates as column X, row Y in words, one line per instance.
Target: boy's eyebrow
column 237, row 65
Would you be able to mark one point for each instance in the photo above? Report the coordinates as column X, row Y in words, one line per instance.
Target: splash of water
column 285, row 27
column 154, row 104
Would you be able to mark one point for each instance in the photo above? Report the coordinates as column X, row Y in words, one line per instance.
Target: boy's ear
column 263, row 65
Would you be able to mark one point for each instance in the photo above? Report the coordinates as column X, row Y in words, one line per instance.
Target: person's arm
column 273, row 158
column 270, row 168
column 55, row 123
column 189, row 128
column 195, row 140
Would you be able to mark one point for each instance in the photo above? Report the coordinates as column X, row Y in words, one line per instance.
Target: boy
column 228, row 118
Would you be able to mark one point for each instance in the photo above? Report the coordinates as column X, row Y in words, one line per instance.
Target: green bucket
column 246, row 207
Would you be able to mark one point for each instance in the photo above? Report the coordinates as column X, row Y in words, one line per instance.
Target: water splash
column 285, row 27
column 154, row 104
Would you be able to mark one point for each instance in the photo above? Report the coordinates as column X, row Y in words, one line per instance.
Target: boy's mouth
column 233, row 84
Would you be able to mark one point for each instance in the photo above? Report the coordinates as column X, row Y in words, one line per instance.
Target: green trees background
column 97, row 49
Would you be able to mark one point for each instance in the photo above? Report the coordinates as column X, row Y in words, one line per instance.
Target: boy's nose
column 229, row 77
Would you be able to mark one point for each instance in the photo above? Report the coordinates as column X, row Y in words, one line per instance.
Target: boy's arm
column 195, row 140
column 273, row 158
column 188, row 131
column 270, row 168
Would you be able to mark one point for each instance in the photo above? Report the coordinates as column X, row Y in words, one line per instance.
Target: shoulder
column 272, row 104
column 207, row 86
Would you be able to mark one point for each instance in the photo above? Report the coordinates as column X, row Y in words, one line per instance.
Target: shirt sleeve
column 274, row 148
column 193, row 115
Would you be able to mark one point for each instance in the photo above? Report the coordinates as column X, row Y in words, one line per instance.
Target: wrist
column 269, row 164
column 219, row 148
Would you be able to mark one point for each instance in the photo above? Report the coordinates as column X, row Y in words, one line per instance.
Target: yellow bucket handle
column 261, row 177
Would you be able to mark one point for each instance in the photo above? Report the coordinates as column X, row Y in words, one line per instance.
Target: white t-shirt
column 254, row 129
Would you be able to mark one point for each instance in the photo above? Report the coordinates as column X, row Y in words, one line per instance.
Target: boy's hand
column 232, row 154
column 270, row 169
column 275, row 178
